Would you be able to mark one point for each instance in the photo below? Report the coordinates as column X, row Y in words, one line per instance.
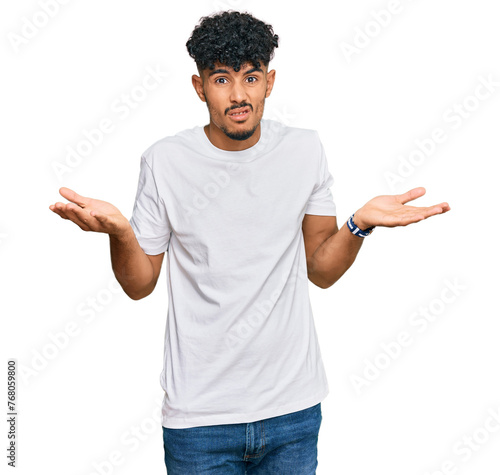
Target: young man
column 243, row 209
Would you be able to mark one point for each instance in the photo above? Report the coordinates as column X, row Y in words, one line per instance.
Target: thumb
column 411, row 195
column 73, row 196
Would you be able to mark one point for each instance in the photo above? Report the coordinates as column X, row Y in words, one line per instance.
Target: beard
column 241, row 135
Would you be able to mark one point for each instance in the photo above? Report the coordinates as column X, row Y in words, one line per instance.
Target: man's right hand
column 90, row 214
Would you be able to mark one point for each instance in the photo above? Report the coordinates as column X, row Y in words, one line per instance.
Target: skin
column 329, row 251
column 224, row 91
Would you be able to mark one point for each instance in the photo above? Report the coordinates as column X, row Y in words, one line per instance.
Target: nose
column 237, row 93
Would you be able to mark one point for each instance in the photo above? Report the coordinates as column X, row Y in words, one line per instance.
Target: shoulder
column 170, row 146
column 297, row 137
column 291, row 133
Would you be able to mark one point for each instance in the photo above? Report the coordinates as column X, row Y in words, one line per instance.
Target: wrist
column 124, row 233
column 360, row 222
column 358, row 228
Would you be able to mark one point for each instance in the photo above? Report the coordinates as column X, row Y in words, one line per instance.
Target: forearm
column 333, row 257
column 131, row 265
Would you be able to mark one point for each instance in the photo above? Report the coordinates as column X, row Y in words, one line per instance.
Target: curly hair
column 231, row 38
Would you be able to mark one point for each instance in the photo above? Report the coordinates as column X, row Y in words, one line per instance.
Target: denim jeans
column 279, row 445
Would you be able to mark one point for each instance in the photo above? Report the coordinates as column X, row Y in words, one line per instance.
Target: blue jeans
column 279, row 445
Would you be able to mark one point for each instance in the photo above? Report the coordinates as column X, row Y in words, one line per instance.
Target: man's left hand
column 391, row 211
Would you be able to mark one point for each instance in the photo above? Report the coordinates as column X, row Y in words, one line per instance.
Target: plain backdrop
column 409, row 335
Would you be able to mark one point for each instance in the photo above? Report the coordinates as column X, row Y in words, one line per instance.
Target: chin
column 241, row 134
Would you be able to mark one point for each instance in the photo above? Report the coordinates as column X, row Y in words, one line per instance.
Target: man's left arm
column 330, row 251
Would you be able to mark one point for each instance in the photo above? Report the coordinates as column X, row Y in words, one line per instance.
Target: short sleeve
column 149, row 219
column 321, row 200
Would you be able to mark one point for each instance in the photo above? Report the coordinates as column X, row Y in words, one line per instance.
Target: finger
column 446, row 207
column 411, row 195
column 78, row 216
column 438, row 209
column 62, row 209
column 79, row 223
column 405, row 219
column 73, row 196
column 70, row 215
column 418, row 214
column 56, row 209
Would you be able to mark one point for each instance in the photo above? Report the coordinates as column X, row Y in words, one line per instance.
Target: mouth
column 239, row 115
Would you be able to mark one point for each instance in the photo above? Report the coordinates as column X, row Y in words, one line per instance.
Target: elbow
column 318, row 276
column 137, row 294
column 323, row 277
column 324, row 285
column 134, row 289
column 320, row 281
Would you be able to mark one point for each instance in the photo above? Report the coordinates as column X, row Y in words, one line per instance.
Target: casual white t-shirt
column 240, row 341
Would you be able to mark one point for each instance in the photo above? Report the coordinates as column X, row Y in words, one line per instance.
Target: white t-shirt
column 240, row 341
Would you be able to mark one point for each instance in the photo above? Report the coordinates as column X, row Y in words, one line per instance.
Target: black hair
column 231, row 38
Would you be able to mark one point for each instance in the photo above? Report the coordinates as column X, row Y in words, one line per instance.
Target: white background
column 96, row 395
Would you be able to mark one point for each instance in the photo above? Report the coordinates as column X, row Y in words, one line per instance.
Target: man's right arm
column 136, row 271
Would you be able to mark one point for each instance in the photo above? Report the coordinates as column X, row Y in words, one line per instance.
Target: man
column 243, row 209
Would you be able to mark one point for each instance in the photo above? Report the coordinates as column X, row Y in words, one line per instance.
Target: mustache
column 238, row 106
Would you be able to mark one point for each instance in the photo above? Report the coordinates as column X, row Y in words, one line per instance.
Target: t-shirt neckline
column 236, row 155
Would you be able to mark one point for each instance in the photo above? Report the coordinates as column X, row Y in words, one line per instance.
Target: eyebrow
column 253, row 70
column 225, row 71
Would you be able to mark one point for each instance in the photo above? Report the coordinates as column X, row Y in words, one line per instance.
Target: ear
column 271, row 75
column 198, row 86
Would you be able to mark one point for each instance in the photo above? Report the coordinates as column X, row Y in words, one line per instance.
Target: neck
column 220, row 140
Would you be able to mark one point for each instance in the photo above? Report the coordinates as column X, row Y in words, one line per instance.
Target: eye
column 254, row 79
column 219, row 80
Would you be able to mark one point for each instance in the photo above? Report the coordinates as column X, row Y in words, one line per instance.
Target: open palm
column 90, row 214
column 391, row 210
